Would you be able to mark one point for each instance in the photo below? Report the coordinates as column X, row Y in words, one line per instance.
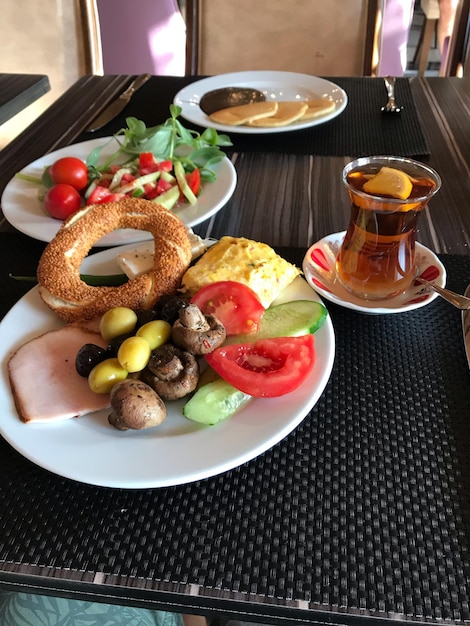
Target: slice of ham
column 43, row 379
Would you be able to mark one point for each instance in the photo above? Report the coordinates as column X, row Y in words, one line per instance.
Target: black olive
column 115, row 344
column 87, row 357
column 170, row 310
column 144, row 316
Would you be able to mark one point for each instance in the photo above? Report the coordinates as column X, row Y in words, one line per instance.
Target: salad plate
column 319, row 268
column 23, row 209
column 275, row 85
column 179, row 451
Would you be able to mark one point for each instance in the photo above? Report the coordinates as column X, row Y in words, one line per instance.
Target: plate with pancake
column 23, row 208
column 179, row 451
column 276, row 86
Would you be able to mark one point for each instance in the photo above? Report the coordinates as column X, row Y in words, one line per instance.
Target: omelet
column 245, row 261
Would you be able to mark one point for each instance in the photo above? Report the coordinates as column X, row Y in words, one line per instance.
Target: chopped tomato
column 162, row 186
column 148, row 164
column 234, row 304
column 100, row 194
column 146, row 159
column 127, row 178
column 267, row 368
column 194, row 181
column 151, row 191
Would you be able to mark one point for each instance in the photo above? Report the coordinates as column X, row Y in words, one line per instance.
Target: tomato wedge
column 194, row 181
column 234, row 304
column 267, row 368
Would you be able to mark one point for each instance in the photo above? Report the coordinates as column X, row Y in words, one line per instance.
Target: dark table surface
column 363, row 511
column 17, row 91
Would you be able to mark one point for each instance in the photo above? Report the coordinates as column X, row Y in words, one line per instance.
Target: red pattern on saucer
column 318, row 257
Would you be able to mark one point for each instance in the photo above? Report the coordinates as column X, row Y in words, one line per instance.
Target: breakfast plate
column 320, row 273
column 179, row 451
column 275, row 85
column 23, row 209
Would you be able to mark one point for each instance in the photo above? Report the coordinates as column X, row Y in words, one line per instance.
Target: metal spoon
column 461, row 302
column 226, row 97
column 391, row 106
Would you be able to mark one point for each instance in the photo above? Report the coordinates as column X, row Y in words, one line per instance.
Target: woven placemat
column 362, row 129
column 364, row 507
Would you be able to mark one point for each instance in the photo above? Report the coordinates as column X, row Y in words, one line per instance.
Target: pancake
column 317, row 108
column 245, row 113
column 287, row 112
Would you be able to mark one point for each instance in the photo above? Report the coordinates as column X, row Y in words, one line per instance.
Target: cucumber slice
column 289, row 319
column 215, row 402
column 169, row 198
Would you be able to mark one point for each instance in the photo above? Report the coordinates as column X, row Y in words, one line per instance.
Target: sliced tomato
column 267, row 368
column 234, row 304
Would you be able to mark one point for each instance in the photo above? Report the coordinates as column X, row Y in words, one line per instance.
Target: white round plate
column 320, row 273
column 89, row 450
column 23, row 209
column 275, row 85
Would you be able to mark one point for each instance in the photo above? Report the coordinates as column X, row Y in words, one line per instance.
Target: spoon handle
column 461, row 302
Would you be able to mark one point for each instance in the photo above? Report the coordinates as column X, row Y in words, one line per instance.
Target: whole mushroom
column 197, row 333
column 171, row 372
column 135, row 406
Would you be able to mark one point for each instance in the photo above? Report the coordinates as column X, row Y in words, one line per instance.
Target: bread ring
column 60, row 285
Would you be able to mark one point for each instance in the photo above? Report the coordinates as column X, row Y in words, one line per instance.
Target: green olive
column 156, row 332
column 117, row 321
column 134, row 354
column 105, row 375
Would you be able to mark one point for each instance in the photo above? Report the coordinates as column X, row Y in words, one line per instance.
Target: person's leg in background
column 445, row 25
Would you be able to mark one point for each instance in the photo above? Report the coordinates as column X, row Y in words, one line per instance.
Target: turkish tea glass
column 377, row 257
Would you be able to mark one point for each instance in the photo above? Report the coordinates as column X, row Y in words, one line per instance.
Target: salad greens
column 170, row 140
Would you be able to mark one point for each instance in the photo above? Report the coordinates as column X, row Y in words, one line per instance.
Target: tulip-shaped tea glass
column 377, row 256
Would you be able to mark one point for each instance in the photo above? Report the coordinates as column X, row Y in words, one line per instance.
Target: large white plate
column 22, row 208
column 275, row 85
column 179, row 451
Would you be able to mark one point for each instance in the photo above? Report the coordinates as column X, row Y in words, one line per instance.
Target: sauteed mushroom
column 171, row 372
column 196, row 332
column 135, row 405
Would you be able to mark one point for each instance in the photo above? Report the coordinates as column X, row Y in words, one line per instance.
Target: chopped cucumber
column 183, row 183
column 289, row 319
column 169, row 198
column 140, row 181
column 215, row 402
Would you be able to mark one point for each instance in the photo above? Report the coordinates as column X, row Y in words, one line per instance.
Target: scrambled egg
column 245, row 261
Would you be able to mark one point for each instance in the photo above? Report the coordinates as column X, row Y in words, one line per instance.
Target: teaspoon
column 461, row 302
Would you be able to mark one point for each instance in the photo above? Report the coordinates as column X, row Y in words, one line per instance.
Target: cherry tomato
column 61, row 201
column 70, row 171
column 267, row 368
column 234, row 304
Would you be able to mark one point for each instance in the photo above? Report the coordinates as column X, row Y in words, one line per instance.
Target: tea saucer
column 320, row 271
